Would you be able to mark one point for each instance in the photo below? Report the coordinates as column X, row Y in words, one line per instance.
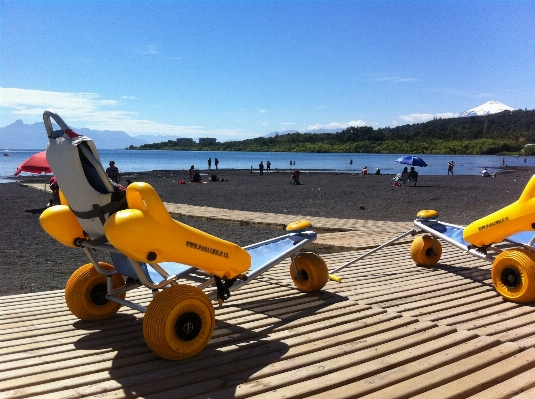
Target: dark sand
column 31, row 261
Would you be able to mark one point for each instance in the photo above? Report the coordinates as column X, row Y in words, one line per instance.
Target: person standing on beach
column 113, row 172
column 216, row 163
column 261, row 168
column 191, row 172
column 209, row 163
column 268, row 165
column 450, row 167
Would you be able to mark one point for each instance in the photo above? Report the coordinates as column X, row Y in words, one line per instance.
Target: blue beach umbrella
column 411, row 160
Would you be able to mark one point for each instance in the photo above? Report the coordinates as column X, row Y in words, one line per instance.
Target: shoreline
column 33, row 178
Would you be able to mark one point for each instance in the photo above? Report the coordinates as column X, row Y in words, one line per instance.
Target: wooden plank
column 304, row 381
column 390, row 326
column 425, row 383
column 99, row 371
column 377, row 382
column 454, row 306
column 482, row 379
column 520, row 383
column 506, row 325
column 246, row 360
column 465, row 311
column 529, row 394
column 513, row 310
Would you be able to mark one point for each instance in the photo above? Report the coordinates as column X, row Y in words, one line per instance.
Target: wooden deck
column 389, row 330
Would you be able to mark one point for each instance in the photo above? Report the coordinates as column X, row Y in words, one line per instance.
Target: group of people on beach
column 261, row 167
column 216, row 163
column 195, row 175
column 364, row 171
column 406, row 176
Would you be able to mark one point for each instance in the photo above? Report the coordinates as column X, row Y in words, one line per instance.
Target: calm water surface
column 139, row 161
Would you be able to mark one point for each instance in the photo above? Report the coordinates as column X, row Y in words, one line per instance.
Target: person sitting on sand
column 413, row 175
column 486, row 173
column 365, row 171
column 54, row 187
column 405, row 175
column 378, row 171
column 113, row 172
column 196, row 177
column 402, row 177
column 295, row 177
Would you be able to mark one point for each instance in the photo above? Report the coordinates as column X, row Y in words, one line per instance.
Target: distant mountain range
column 490, row 107
column 19, row 135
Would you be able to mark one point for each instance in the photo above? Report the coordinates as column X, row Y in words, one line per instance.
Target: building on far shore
column 207, row 140
column 184, row 140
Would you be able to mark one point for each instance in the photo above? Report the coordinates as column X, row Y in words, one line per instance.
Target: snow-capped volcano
column 491, row 107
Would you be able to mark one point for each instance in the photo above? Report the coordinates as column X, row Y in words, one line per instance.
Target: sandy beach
column 31, row 261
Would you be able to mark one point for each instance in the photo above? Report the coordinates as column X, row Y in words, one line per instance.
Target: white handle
column 48, row 124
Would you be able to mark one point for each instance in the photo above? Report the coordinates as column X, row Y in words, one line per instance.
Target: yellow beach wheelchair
column 185, row 268
column 513, row 268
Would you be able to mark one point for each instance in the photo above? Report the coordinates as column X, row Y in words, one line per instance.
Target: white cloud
column 90, row 111
column 420, row 118
column 148, row 49
column 336, row 125
column 262, row 111
column 287, row 123
column 391, row 78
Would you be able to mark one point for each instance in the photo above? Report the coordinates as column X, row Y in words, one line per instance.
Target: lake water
column 139, row 161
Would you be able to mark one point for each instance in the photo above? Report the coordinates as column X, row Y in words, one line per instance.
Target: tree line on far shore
column 504, row 133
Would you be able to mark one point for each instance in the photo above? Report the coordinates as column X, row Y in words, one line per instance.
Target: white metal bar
column 412, row 231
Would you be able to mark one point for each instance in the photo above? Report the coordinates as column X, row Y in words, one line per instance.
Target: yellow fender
column 147, row 233
column 298, row 226
column 514, row 218
column 427, row 214
column 60, row 223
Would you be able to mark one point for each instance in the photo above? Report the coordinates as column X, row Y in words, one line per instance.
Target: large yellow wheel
column 513, row 275
column 179, row 322
column 312, row 272
column 85, row 293
column 424, row 252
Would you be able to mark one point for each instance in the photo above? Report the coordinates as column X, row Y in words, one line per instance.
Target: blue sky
column 242, row 69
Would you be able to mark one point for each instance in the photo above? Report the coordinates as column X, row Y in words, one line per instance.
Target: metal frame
column 301, row 239
column 481, row 253
column 411, row 232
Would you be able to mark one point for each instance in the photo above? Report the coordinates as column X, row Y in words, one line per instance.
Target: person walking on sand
column 209, row 163
column 450, row 167
column 113, row 172
column 261, row 168
column 216, row 163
